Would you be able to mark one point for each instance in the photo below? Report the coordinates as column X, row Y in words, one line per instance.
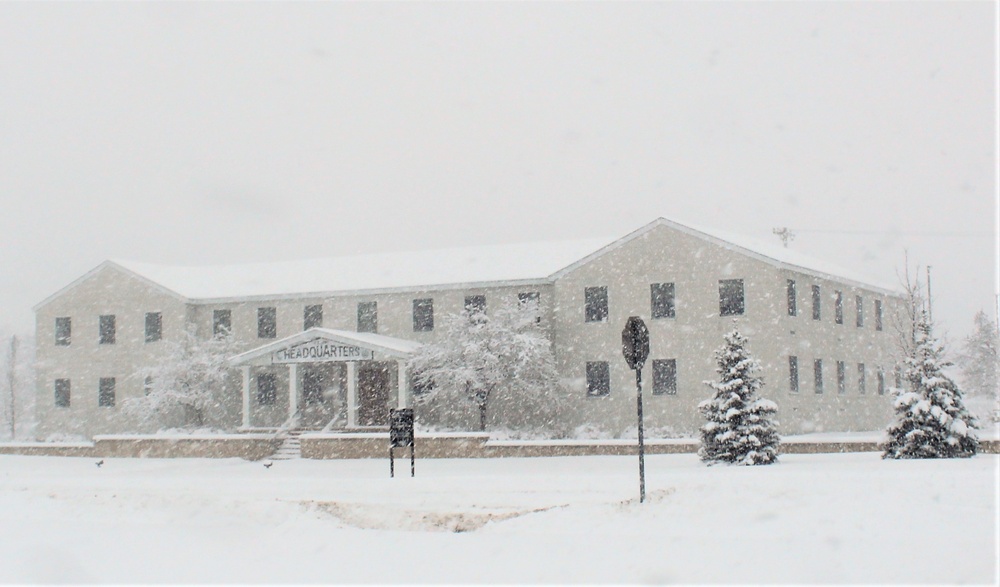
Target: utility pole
column 12, row 382
column 930, row 315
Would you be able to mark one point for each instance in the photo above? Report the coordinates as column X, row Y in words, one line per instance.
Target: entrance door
column 373, row 394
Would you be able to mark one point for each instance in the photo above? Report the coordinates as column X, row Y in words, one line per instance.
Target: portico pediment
column 324, row 345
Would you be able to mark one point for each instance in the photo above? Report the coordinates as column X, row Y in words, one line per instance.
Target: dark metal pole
column 392, row 468
column 411, row 460
column 642, row 450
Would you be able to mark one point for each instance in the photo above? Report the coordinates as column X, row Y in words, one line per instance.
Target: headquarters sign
column 321, row 351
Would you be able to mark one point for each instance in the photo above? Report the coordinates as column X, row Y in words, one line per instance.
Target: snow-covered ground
column 820, row 518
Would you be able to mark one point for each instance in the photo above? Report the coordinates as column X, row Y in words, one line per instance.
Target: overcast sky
column 189, row 133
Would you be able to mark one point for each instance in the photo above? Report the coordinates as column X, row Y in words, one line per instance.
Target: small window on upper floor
column 62, row 392
column 423, row 315
column 790, row 294
column 267, row 322
column 598, row 378
column 64, row 330
column 661, row 300
column 475, row 304
column 527, row 299
column 841, row 377
column 838, row 307
column 816, row 299
column 860, row 320
column 312, row 316
column 793, row 374
column 664, row 376
column 107, row 329
column 222, row 322
column 731, row 297
column 596, row 304
column 367, row 316
column 861, row 378
column 154, row 326
column 878, row 315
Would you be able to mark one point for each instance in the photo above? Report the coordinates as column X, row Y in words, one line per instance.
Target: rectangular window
column 661, row 300
column 222, row 322
column 312, row 317
column 596, row 300
column 793, row 309
column 154, row 326
column 368, row 317
column 267, row 322
column 731, row 297
column 899, row 378
column 107, row 329
column 106, row 392
column 818, row 375
column 880, row 374
column 816, row 301
column 838, row 307
column 793, row 374
column 861, row 378
column 665, row 377
column 475, row 304
column 841, row 377
column 147, row 386
column 530, row 298
column 313, row 384
column 267, row 389
column 598, row 378
column 62, row 393
column 861, row 311
column 423, row 315
column 878, row 315
column 64, row 330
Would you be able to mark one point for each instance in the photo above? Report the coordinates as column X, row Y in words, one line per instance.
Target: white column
column 352, row 395
column 246, row 396
column 403, row 388
column 293, row 389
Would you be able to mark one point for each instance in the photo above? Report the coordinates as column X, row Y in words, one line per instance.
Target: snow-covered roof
column 510, row 264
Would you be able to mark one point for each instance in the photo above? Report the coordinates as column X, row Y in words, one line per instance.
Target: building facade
column 324, row 343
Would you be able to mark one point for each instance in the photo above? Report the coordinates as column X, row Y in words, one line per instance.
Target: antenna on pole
column 785, row 234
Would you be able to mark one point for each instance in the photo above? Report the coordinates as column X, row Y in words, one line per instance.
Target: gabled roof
column 387, row 345
column 409, row 270
column 466, row 267
column 766, row 252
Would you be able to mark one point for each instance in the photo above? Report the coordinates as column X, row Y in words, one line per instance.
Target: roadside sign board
column 400, row 436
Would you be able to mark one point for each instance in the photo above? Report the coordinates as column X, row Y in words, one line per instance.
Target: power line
column 894, row 232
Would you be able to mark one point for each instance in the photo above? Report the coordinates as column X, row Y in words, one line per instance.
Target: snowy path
column 811, row 519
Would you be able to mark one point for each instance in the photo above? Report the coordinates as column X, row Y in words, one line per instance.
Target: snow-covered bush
column 185, row 381
column 502, row 357
column 931, row 418
column 740, row 427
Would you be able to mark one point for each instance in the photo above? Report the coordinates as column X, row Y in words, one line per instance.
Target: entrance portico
column 320, row 363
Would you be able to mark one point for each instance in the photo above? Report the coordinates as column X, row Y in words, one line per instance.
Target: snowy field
column 827, row 518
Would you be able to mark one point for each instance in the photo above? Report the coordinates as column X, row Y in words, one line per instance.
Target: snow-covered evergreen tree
column 980, row 359
column 187, row 379
column 741, row 428
column 480, row 355
column 931, row 418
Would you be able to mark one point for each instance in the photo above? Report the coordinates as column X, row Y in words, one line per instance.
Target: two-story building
column 326, row 340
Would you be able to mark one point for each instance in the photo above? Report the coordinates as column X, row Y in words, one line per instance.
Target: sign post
column 400, row 435
column 635, row 349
